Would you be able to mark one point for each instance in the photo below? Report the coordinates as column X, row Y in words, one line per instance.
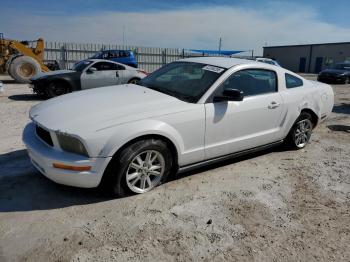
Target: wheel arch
column 72, row 79
column 134, row 78
column 168, row 141
column 62, row 80
column 314, row 116
column 173, row 150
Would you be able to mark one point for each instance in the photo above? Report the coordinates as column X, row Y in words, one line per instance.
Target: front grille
column 44, row 135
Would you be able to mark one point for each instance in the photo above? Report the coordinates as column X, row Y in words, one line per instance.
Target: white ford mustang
column 188, row 113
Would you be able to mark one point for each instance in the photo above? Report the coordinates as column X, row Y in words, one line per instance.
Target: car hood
column 104, row 107
column 51, row 73
column 333, row 71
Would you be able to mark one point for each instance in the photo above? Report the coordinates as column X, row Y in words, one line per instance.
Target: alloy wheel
column 302, row 133
column 134, row 81
column 145, row 171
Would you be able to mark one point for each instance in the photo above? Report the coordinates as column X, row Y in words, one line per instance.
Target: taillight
column 143, row 72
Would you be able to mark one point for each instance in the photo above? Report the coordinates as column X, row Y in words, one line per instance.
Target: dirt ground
column 276, row 205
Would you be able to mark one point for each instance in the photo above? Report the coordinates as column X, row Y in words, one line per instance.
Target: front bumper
column 39, row 87
column 43, row 156
column 331, row 78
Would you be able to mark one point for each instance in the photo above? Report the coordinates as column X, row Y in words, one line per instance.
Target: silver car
column 84, row 75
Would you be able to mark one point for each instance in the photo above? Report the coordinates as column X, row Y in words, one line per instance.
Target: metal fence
column 148, row 58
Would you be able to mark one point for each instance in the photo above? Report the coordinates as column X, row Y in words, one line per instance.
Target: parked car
column 267, row 61
column 185, row 115
column 339, row 73
column 84, row 75
column 125, row 57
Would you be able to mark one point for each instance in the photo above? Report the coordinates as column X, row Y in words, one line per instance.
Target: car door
column 235, row 126
column 100, row 74
column 124, row 75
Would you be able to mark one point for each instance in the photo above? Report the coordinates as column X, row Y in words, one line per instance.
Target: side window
column 123, row 54
column 103, row 66
column 293, row 81
column 115, row 54
column 118, row 67
column 252, row 82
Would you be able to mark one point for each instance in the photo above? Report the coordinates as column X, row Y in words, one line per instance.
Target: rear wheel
column 134, row 81
column 300, row 133
column 23, row 68
column 57, row 88
column 139, row 168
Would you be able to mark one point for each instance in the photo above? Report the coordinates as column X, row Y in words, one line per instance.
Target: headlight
column 71, row 144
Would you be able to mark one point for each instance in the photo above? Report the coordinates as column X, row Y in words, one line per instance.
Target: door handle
column 273, row 105
column 117, row 74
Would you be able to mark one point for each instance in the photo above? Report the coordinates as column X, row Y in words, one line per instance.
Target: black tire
column 8, row 64
column 57, row 88
column 292, row 141
column 134, row 81
column 347, row 81
column 9, row 72
column 114, row 179
column 23, row 68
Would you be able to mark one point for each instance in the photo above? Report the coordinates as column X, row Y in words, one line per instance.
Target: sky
column 190, row 24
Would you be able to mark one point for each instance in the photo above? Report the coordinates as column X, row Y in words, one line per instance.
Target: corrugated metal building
column 311, row 58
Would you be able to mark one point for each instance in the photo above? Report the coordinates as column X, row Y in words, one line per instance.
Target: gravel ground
column 276, row 205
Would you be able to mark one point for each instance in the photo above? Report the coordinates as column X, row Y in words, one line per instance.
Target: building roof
column 216, row 52
column 336, row 43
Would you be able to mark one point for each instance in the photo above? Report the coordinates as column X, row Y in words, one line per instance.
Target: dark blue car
column 125, row 57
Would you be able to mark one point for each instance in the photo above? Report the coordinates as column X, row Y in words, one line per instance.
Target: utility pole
column 123, row 36
column 220, row 42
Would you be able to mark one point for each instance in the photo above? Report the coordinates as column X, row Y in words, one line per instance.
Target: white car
column 85, row 74
column 188, row 113
column 267, row 61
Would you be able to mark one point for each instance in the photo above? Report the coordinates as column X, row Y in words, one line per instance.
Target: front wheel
column 57, row 88
column 300, row 133
column 139, row 167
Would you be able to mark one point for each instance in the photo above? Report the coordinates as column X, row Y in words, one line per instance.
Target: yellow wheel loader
column 20, row 60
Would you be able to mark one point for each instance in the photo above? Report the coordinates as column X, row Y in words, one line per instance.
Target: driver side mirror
column 91, row 70
column 230, row 94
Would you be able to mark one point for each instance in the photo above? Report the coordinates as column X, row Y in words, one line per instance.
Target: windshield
column 97, row 55
column 80, row 66
column 342, row 66
column 184, row 80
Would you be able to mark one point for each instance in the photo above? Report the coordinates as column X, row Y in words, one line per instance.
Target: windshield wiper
column 171, row 93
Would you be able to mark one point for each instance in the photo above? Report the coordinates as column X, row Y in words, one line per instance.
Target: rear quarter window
column 293, row 81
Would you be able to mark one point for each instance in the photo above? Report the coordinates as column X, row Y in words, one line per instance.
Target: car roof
column 109, row 61
column 225, row 62
column 109, row 50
